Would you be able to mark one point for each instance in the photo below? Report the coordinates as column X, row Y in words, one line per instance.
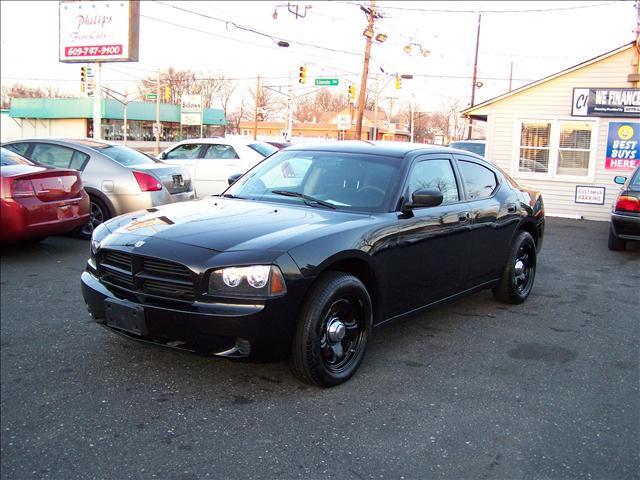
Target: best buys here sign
column 623, row 142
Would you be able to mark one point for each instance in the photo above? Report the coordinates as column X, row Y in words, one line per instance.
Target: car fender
column 100, row 195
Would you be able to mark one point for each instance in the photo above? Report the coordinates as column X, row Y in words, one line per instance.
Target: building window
column 574, row 148
column 535, row 142
column 560, row 148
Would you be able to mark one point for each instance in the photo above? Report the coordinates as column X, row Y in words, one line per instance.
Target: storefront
column 73, row 117
column 570, row 134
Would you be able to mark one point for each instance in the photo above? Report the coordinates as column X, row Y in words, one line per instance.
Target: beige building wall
column 552, row 101
column 17, row 128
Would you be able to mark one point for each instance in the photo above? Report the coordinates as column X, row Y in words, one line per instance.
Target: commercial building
column 73, row 117
column 571, row 133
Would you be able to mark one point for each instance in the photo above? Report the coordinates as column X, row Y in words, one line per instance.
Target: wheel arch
column 103, row 198
column 361, row 268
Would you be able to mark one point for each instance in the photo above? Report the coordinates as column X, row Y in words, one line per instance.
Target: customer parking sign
column 622, row 146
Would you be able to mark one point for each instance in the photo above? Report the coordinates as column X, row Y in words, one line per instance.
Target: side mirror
column 233, row 178
column 425, row 198
column 163, row 156
column 620, row 179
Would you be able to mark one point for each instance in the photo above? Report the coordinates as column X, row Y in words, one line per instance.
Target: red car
column 38, row 201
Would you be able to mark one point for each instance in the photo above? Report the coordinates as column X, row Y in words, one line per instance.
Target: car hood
column 221, row 224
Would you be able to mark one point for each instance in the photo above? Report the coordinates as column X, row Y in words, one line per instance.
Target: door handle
column 511, row 208
column 464, row 217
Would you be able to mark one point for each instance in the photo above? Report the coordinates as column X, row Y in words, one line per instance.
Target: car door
column 212, row 171
column 186, row 155
column 433, row 243
column 493, row 219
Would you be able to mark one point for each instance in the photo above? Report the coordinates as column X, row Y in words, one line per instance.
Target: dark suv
column 625, row 215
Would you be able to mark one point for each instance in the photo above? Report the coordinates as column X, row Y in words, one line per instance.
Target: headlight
column 256, row 281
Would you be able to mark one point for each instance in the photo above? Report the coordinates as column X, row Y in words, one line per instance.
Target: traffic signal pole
column 97, row 103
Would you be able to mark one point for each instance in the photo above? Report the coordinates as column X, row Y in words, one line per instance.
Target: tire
column 519, row 272
column 615, row 243
column 333, row 330
column 99, row 214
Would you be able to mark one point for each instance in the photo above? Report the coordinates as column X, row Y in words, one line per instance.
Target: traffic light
column 352, row 91
column 167, row 93
column 303, row 74
column 83, row 78
column 398, row 82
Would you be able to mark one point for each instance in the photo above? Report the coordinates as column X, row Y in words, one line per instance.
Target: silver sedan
column 118, row 179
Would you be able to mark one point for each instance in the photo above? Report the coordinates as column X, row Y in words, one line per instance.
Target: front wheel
column 333, row 330
column 519, row 272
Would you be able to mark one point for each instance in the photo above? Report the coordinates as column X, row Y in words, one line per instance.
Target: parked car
column 305, row 253
column 625, row 214
column 118, row 179
column 279, row 145
column 475, row 146
column 37, row 201
column 210, row 161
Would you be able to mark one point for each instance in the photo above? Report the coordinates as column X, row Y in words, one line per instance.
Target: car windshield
column 125, row 156
column 340, row 181
column 263, row 149
column 10, row 158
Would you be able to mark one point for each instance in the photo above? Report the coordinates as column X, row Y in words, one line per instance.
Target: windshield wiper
column 311, row 201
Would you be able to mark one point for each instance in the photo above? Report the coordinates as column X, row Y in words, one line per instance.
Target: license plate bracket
column 125, row 316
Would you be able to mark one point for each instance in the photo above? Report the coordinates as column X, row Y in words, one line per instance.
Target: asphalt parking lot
column 473, row 390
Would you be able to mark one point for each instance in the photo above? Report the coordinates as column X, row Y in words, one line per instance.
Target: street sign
column 152, row 96
column 344, row 122
column 326, row 82
column 157, row 128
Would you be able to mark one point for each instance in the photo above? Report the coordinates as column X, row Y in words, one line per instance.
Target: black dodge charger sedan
column 308, row 251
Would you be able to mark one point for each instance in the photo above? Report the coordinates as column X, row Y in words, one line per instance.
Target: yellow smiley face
column 625, row 132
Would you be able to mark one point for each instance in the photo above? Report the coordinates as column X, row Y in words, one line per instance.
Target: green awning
column 52, row 108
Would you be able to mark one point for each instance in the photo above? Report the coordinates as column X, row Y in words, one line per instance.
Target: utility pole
column 125, row 103
column 157, row 129
column 475, row 75
column 365, row 71
column 97, row 103
column 375, row 108
column 290, row 110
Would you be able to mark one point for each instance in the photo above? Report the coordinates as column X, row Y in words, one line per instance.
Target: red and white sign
column 99, row 31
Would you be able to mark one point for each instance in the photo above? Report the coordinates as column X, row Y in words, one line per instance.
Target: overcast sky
column 239, row 40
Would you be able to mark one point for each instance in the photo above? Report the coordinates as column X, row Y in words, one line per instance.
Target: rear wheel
column 99, row 214
column 333, row 330
column 519, row 272
column 614, row 242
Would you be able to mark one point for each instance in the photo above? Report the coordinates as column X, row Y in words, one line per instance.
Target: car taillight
column 628, row 204
column 148, row 183
column 21, row 188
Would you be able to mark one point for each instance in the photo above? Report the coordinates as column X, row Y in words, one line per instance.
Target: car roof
column 84, row 142
column 468, row 141
column 220, row 140
column 389, row 148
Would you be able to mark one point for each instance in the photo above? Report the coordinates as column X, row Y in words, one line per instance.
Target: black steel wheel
column 519, row 272
column 333, row 330
column 99, row 214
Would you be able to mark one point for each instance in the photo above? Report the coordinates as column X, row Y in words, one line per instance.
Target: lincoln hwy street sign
column 326, row 82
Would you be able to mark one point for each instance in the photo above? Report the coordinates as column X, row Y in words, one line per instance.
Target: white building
column 570, row 134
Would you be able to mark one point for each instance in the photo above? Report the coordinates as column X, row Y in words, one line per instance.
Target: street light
column 407, row 49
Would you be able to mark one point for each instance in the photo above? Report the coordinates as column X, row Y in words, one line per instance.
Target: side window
column 186, row 151
column 436, row 175
column 52, row 155
column 79, row 160
column 20, row 148
column 479, row 181
column 221, row 151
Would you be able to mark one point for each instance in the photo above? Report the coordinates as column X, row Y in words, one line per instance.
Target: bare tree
column 311, row 107
column 179, row 82
column 234, row 118
column 17, row 90
column 268, row 106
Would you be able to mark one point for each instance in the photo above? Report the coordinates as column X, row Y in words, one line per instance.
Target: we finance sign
column 606, row 102
column 623, row 140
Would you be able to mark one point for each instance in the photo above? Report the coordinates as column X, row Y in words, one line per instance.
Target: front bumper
column 260, row 330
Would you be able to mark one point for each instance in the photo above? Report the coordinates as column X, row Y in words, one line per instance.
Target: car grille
column 146, row 276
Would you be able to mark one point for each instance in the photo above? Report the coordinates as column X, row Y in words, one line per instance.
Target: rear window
column 263, row 149
column 635, row 180
column 477, row 148
column 10, row 158
column 127, row 157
